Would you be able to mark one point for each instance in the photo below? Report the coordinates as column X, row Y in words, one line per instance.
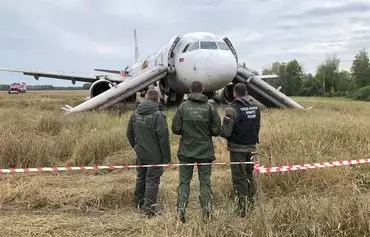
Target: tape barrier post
column 257, row 168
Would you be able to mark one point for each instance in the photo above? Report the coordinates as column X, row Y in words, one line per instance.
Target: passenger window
column 194, row 46
column 208, row 45
column 186, row 48
column 223, row 46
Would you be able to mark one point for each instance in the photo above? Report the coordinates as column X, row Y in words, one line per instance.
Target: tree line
column 328, row 79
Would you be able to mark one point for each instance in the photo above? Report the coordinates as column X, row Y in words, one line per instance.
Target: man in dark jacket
column 147, row 133
column 196, row 121
column 240, row 127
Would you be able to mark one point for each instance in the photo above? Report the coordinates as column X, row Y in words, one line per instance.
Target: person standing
column 196, row 121
column 240, row 127
column 147, row 133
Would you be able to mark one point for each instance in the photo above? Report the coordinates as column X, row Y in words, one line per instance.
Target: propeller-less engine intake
column 103, row 85
column 225, row 95
column 99, row 87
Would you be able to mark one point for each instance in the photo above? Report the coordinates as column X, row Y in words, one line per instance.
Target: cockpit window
column 194, row 46
column 208, row 45
column 223, row 46
column 186, row 48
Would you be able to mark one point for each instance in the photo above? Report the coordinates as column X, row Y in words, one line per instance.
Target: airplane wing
column 121, row 91
column 62, row 75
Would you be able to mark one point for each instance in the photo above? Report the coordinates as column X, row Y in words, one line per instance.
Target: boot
column 150, row 211
column 206, row 205
column 241, row 209
column 182, row 215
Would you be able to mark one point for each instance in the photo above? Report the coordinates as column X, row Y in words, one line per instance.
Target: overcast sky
column 80, row 35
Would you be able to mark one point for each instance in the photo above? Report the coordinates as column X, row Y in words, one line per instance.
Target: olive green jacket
column 196, row 121
column 147, row 133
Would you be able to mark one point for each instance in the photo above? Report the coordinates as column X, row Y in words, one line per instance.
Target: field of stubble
column 324, row 202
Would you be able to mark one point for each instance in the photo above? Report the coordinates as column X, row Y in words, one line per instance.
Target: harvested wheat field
column 322, row 202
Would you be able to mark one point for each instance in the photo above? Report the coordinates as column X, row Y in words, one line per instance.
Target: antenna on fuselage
column 136, row 48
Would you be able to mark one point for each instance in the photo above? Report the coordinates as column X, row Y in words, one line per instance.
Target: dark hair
column 152, row 95
column 196, row 87
column 240, row 89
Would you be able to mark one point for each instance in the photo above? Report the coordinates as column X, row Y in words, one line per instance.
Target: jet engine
column 225, row 95
column 103, row 85
column 99, row 87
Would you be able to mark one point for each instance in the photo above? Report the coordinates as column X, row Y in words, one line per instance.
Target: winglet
column 136, row 48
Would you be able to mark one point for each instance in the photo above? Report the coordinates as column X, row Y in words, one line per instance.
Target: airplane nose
column 220, row 68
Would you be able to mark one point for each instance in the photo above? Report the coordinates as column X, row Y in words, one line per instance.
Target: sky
column 80, row 35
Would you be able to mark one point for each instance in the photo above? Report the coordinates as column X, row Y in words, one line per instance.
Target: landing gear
column 210, row 95
column 174, row 99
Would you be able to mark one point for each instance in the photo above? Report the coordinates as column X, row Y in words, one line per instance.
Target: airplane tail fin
column 136, row 47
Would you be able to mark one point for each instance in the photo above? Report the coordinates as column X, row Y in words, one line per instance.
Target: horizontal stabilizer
column 109, row 71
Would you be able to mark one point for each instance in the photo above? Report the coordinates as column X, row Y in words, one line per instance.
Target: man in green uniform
column 196, row 121
column 240, row 127
column 147, row 133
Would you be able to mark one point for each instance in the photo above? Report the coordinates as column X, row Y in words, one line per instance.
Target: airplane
column 197, row 56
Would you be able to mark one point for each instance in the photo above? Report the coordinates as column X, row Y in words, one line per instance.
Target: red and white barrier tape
column 288, row 168
column 109, row 167
column 257, row 168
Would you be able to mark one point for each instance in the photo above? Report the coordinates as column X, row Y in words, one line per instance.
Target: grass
column 325, row 202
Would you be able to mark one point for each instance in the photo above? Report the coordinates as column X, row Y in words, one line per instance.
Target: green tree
column 292, row 81
column 311, row 86
column 361, row 69
column 344, row 83
column 4, row 87
column 275, row 67
column 327, row 74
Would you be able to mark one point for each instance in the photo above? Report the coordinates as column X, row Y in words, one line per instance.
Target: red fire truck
column 16, row 88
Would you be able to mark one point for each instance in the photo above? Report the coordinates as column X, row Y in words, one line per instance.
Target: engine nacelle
column 99, row 87
column 103, row 85
column 225, row 95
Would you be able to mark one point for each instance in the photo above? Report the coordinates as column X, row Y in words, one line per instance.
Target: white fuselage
column 198, row 56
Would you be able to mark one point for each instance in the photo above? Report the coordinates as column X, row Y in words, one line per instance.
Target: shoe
column 182, row 219
column 242, row 213
column 150, row 214
column 182, row 216
column 206, row 217
column 241, row 209
column 150, row 211
column 138, row 204
column 250, row 205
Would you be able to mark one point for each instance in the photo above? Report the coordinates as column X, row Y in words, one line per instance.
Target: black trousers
column 147, row 184
column 242, row 177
